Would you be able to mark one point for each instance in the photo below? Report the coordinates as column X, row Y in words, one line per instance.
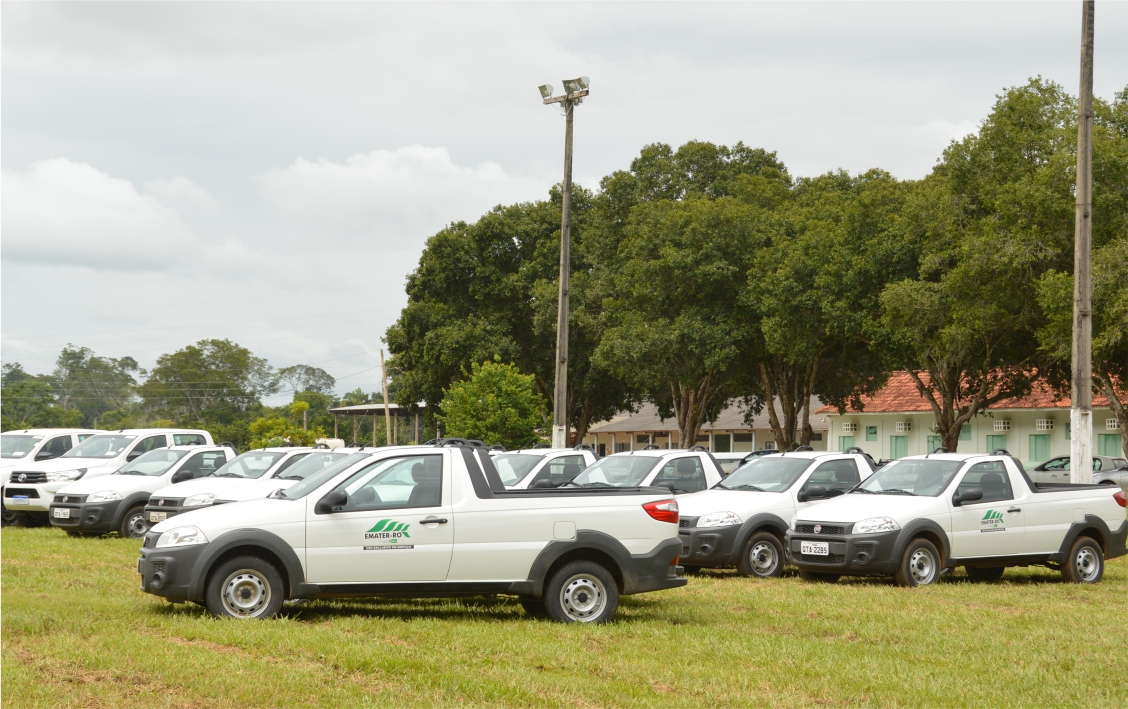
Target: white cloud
column 64, row 212
column 408, row 192
column 183, row 194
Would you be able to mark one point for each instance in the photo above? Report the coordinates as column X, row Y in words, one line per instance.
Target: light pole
column 1081, row 396
column 574, row 92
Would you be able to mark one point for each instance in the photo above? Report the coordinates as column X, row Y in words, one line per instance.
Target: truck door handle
column 1015, row 509
column 432, row 520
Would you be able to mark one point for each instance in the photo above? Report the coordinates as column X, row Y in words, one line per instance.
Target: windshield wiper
column 596, row 485
column 744, row 487
column 863, row 490
column 290, row 477
column 229, row 475
column 897, row 491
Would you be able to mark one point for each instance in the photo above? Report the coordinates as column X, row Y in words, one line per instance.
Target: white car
column 541, row 467
column 419, row 521
column 742, row 521
column 253, row 466
column 920, row 515
column 32, row 486
column 116, row 502
column 681, row 471
column 35, row 444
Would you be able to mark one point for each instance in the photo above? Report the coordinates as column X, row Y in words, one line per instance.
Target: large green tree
column 93, row 384
column 495, row 404
column 215, row 380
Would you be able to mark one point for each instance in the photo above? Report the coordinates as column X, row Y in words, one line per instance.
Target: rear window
column 513, row 467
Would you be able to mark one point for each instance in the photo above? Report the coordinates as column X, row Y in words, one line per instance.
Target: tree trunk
column 950, row 413
column 785, row 382
column 690, row 403
column 1118, row 407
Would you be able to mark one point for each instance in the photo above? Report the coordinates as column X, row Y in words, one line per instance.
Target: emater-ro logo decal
column 390, row 532
column 992, row 522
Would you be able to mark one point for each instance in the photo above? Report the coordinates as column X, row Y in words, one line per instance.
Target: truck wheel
column 244, row 587
column 7, row 517
column 993, row 573
column 581, row 592
column 1085, row 563
column 133, row 523
column 920, row 564
column 81, row 534
column 818, row 576
column 32, row 519
column 762, row 556
column 534, row 607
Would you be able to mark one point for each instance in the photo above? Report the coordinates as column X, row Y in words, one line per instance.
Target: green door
column 934, row 442
column 898, row 446
column 722, row 443
column 1039, row 447
column 1109, row 444
column 845, row 442
column 996, row 442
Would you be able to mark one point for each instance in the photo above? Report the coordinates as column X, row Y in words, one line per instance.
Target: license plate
column 158, row 516
column 815, row 548
column 19, row 500
column 61, row 512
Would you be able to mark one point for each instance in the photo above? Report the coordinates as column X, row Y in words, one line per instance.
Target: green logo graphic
column 388, row 530
column 992, row 515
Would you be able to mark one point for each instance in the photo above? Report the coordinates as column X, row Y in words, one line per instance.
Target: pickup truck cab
column 742, row 520
column 31, row 487
column 681, row 471
column 541, row 467
column 920, row 515
column 116, row 502
column 35, row 445
column 414, row 522
column 253, row 466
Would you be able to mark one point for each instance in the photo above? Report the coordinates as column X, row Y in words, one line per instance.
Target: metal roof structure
column 730, row 419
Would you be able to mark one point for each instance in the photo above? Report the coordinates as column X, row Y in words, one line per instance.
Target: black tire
column 32, row 519
column 81, row 534
column 534, row 607
column 761, row 557
column 920, row 565
column 1085, row 563
column 244, row 587
column 818, row 576
column 691, row 570
column 581, row 592
column 7, row 517
column 133, row 525
column 979, row 575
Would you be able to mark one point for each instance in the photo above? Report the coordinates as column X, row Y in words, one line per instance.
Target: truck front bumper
column 93, row 517
column 168, row 572
column 850, row 554
column 22, row 497
column 709, row 546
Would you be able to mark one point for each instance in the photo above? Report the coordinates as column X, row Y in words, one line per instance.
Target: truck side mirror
column 333, row 502
column 133, row 455
column 45, row 455
column 969, row 495
column 181, row 475
column 811, row 492
column 542, row 484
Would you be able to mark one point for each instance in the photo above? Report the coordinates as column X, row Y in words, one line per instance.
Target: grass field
column 78, row 632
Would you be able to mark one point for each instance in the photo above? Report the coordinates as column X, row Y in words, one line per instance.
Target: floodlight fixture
column 572, row 86
column 545, row 91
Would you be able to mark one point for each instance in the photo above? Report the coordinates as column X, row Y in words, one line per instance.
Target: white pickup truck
column 419, row 521
column 920, row 515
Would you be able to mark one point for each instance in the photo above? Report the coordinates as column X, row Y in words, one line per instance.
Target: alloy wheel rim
column 583, row 598
column 922, row 566
column 763, row 558
column 1087, row 564
column 245, row 593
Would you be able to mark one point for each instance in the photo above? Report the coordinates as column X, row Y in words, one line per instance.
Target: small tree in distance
column 497, row 405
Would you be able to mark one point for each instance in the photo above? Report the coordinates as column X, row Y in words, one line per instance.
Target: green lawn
column 78, row 632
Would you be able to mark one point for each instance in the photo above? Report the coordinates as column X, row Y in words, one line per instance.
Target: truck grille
column 168, row 502
column 72, row 520
column 70, row 498
column 823, row 528
column 817, row 559
column 14, row 491
column 687, row 522
column 28, row 478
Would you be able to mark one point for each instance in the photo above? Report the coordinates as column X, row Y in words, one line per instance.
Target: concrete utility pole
column 575, row 90
column 1081, row 409
column 387, row 409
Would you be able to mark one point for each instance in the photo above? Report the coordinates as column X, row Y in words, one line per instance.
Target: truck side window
column 683, row 474
column 57, row 446
column 840, row 475
column 396, row 483
column 150, row 443
column 560, row 470
column 991, row 478
column 203, row 464
column 288, row 462
column 188, row 439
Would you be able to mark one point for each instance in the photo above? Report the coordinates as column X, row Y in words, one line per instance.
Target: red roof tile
column 900, row 395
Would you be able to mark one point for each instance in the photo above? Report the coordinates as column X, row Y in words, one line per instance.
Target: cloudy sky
column 270, row 172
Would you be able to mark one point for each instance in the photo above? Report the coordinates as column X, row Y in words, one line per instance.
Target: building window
column 816, row 436
column 965, row 432
column 994, row 443
column 871, row 433
column 722, row 443
column 769, row 445
column 1109, row 444
column 845, row 442
column 1039, row 447
column 1068, row 430
column 742, row 437
column 898, row 447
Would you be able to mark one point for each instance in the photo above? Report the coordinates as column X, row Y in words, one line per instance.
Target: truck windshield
column 250, row 465
column 513, row 467
column 918, row 476
column 319, row 478
column 309, row 465
column 153, row 463
column 100, row 447
column 17, row 446
column 768, row 474
column 617, row 471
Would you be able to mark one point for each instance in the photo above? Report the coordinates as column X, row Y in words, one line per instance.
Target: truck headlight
column 876, row 524
column 204, row 498
column 719, row 519
column 104, row 496
column 181, row 537
column 66, row 476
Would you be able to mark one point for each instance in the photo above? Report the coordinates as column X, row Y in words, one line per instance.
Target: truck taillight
column 663, row 510
column 1119, row 497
